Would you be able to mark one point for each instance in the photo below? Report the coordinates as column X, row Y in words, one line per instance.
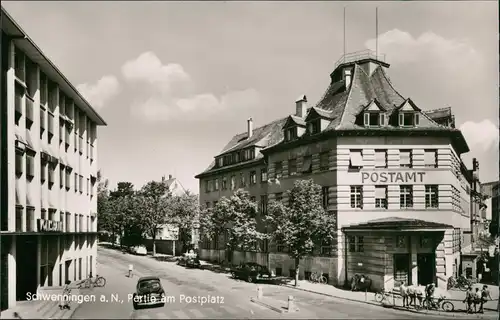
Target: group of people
column 473, row 298
column 476, row 297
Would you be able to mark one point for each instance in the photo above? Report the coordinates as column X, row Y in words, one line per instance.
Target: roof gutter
column 74, row 94
column 229, row 169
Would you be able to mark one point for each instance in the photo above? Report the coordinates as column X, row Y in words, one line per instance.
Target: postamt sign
column 403, row 177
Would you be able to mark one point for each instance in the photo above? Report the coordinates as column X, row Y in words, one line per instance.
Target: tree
column 154, row 203
column 303, row 223
column 236, row 218
column 183, row 211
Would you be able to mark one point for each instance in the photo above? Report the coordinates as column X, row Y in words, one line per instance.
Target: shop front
column 392, row 251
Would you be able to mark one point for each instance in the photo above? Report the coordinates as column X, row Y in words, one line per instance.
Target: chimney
column 301, row 106
column 347, row 77
column 250, row 127
column 163, row 179
column 169, row 177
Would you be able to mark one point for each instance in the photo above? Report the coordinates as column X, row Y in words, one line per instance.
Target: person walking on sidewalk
column 429, row 295
column 65, row 296
column 485, row 295
column 469, row 299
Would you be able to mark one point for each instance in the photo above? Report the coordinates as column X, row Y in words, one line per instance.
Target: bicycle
column 98, row 281
column 316, row 277
column 438, row 303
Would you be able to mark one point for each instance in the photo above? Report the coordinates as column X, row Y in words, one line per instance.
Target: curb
column 451, row 315
column 266, row 305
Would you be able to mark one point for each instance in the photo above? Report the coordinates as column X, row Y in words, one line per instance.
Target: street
column 180, row 284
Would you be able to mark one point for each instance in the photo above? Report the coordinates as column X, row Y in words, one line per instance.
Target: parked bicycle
column 438, row 303
column 97, row 281
column 316, row 277
column 460, row 282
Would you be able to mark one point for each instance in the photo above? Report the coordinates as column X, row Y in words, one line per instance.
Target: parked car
column 139, row 250
column 251, row 272
column 148, row 292
column 189, row 262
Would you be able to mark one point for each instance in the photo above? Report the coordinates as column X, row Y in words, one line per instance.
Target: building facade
column 390, row 173
column 49, row 170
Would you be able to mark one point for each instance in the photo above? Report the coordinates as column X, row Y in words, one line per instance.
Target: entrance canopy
column 392, row 224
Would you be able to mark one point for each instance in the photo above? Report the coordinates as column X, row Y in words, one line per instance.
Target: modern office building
column 391, row 173
column 48, row 174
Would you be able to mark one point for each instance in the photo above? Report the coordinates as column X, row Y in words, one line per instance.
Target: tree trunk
column 154, row 246
column 297, row 270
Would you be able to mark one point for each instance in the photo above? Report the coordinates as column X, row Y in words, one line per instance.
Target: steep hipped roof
column 342, row 107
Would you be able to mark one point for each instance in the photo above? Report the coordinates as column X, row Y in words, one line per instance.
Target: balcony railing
column 29, row 109
column 50, row 123
column 359, row 55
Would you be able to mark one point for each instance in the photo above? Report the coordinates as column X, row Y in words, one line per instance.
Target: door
column 426, row 263
column 26, row 266
column 401, row 267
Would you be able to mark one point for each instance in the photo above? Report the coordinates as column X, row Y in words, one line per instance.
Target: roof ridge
column 356, row 67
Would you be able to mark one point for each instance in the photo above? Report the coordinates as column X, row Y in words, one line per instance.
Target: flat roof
column 28, row 46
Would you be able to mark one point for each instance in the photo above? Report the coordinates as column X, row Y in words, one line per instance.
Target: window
column 61, row 176
column 405, row 158
column 263, row 204
column 401, row 242
column 43, row 89
column 278, row 169
column 80, row 184
column 224, row 183
column 43, row 171
column 307, row 164
column 381, row 158
column 355, row 159
column 242, row 180
column 88, row 186
column 219, row 162
column 51, row 174
column 253, row 177
column 406, row 196
column 408, row 119
column 326, row 248
column 76, row 182
column 19, row 162
column 430, row 158
column 263, row 175
column 291, row 134
column 19, row 65
column 233, row 182
column 352, row 243
column 360, row 244
column 357, row 197
column 278, row 196
column 30, row 219
column 431, row 196
column 216, row 184
column 381, row 197
column 325, row 196
column 315, row 126
column 292, row 167
column 324, row 161
column 68, row 178
column 374, row 119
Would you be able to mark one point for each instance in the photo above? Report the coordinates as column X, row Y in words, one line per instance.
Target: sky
column 176, row 80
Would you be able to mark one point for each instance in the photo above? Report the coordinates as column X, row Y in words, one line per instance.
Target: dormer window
column 291, row 134
column 374, row 119
column 408, row 119
column 315, row 126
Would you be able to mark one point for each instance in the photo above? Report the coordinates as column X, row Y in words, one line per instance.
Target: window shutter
column 382, row 119
column 366, row 119
column 401, row 119
column 417, row 118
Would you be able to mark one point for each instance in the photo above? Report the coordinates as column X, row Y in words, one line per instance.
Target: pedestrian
column 403, row 289
column 429, row 295
column 477, row 299
column 65, row 296
column 485, row 295
column 130, row 269
column 469, row 299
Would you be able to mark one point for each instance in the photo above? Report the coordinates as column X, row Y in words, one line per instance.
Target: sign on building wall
column 49, row 226
column 403, row 177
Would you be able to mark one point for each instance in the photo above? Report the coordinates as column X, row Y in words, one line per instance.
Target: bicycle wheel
column 322, row 279
column 100, row 282
column 379, row 297
column 447, row 306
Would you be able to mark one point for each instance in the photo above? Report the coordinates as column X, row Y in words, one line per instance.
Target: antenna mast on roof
column 344, row 35
column 376, row 33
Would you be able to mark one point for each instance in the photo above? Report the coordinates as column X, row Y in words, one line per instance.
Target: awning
column 19, row 135
column 397, row 224
column 356, row 159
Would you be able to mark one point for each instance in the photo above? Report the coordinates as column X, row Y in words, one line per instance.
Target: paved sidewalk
column 368, row 297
